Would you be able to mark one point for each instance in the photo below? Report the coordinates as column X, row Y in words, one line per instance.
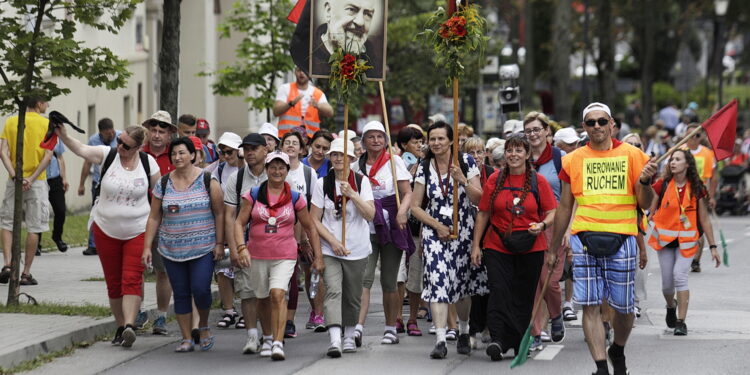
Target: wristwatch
column 290, row 103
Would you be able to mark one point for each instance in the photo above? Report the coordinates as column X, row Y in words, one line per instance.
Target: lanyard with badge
column 272, row 226
column 683, row 217
column 446, row 210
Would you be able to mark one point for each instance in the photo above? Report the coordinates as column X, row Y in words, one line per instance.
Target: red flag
column 721, row 129
column 50, row 143
column 296, row 11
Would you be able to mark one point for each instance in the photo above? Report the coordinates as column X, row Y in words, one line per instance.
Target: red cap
column 196, row 143
column 201, row 126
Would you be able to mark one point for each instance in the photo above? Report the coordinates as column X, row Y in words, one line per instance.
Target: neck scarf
column 544, row 158
column 379, row 163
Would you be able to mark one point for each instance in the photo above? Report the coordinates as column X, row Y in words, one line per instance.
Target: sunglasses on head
column 124, row 145
column 160, row 124
column 592, row 122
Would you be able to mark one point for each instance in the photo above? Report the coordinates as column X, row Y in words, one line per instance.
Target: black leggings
column 57, row 201
column 512, row 281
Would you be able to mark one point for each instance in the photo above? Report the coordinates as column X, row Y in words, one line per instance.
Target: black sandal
column 423, row 312
column 226, row 320
column 240, row 323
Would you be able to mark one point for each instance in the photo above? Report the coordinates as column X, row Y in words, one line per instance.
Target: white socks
column 335, row 335
column 440, row 334
column 463, row 327
column 252, row 332
column 349, row 332
column 390, row 328
column 359, row 327
column 161, row 314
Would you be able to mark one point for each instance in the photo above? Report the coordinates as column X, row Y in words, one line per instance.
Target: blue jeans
column 191, row 280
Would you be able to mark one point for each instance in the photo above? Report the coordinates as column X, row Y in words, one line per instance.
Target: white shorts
column 267, row 274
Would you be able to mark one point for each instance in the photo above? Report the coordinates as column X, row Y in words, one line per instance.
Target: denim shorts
column 611, row 277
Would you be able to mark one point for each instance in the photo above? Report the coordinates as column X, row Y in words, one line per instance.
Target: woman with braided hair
column 448, row 275
column 515, row 209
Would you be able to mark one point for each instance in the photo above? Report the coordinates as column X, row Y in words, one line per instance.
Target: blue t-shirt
column 96, row 140
column 550, row 174
column 53, row 169
column 322, row 171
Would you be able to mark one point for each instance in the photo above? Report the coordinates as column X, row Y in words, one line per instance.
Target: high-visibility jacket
column 669, row 227
column 704, row 162
column 603, row 184
column 294, row 117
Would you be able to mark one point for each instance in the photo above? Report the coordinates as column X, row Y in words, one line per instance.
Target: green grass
column 75, row 233
column 150, row 277
column 45, row 308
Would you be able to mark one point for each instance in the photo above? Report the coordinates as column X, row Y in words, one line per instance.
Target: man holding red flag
column 36, row 191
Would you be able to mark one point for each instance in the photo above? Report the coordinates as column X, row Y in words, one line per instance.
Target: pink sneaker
column 320, row 323
column 310, row 322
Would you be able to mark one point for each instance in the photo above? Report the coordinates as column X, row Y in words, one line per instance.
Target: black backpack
column 206, row 183
column 308, row 184
column 111, row 158
column 534, row 185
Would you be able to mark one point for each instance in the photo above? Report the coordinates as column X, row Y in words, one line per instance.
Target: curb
column 102, row 327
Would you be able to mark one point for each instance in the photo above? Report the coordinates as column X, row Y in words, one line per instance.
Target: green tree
column 32, row 52
column 262, row 55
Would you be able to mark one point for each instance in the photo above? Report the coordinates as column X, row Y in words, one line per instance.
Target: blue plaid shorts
column 612, row 277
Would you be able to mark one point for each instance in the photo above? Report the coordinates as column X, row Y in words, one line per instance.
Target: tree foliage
column 262, row 55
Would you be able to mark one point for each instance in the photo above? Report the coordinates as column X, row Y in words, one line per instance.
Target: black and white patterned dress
column 448, row 273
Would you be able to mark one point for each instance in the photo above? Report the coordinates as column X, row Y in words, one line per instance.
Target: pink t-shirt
column 265, row 242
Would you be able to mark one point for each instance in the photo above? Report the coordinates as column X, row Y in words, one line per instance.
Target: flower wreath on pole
column 455, row 38
column 347, row 73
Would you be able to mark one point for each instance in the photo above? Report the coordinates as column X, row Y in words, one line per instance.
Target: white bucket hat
column 338, row 146
column 373, row 125
column 230, row 140
column 268, row 128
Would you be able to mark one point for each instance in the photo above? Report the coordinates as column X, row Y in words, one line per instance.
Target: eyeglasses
column 601, row 121
column 533, row 131
column 124, row 145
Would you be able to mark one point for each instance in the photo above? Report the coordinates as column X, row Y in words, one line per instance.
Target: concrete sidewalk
column 60, row 277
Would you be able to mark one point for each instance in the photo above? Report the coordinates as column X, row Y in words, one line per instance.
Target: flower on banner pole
column 347, row 73
column 455, row 37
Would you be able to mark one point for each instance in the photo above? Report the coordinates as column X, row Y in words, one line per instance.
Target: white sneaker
column 350, row 346
column 473, row 342
column 265, row 349
column 277, row 352
column 251, row 346
column 545, row 337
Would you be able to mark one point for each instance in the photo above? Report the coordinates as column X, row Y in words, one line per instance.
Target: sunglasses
column 636, row 145
column 227, row 151
column 124, row 145
column 160, row 124
column 601, row 121
column 697, row 135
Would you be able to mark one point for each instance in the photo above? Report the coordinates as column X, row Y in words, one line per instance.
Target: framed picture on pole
column 358, row 27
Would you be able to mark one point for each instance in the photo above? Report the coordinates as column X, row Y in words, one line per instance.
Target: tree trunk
column 646, row 64
column 15, row 262
column 560, row 61
column 605, row 63
column 169, row 58
column 527, row 75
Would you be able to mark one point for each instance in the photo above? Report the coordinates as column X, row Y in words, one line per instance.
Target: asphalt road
column 718, row 341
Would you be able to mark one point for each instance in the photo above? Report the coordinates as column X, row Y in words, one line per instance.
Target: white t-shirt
column 225, row 173
column 122, row 209
column 356, row 225
column 296, row 179
column 282, row 95
column 385, row 180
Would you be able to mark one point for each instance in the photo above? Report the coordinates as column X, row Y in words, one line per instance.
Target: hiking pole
column 523, row 348
column 346, row 174
column 390, row 144
column 725, row 252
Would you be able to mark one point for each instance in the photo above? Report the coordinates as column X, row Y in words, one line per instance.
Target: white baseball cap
column 373, row 125
column 350, row 134
column 566, row 135
column 596, row 106
column 513, row 126
column 277, row 155
column 269, row 129
column 338, row 146
column 231, row 140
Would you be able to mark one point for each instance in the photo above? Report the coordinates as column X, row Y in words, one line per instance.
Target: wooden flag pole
column 678, row 145
column 346, row 174
column 454, row 233
column 390, row 146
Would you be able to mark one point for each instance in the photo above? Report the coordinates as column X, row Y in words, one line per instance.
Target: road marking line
column 549, row 352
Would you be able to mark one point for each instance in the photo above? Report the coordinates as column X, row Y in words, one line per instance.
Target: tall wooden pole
column 346, row 174
column 390, row 146
column 454, row 233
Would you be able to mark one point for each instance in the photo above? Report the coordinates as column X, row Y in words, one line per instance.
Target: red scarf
column 544, row 158
column 337, row 200
column 284, row 198
column 379, row 163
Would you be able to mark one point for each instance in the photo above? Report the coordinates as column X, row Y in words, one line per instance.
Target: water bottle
column 314, row 279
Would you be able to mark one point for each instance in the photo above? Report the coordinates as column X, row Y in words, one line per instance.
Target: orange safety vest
column 602, row 183
column 704, row 162
column 294, row 118
column 669, row 227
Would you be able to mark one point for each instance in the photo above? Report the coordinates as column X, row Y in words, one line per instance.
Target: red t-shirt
column 503, row 204
column 165, row 164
